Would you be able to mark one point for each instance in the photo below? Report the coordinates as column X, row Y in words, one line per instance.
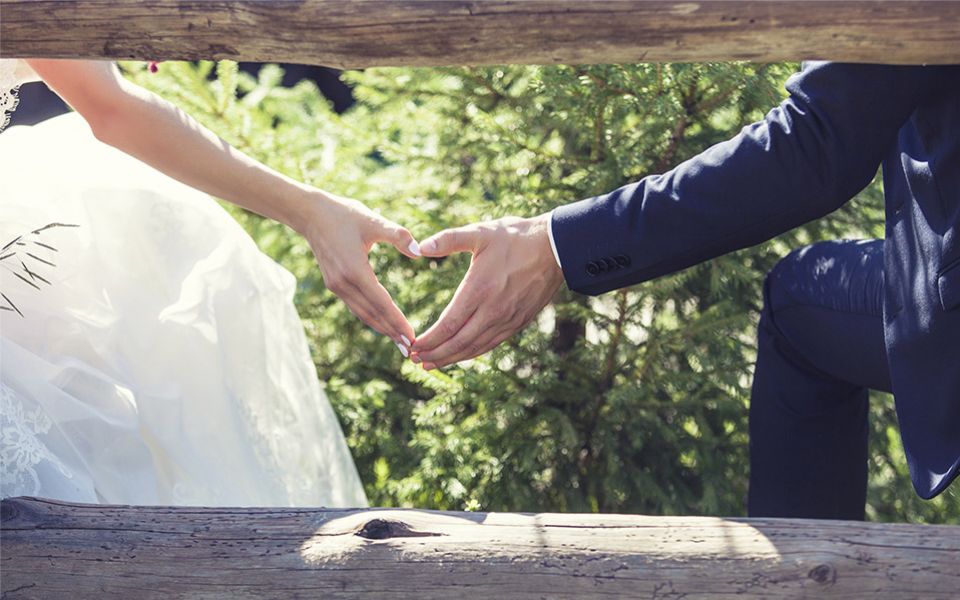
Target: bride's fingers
column 362, row 311
column 394, row 324
column 366, row 313
column 402, row 240
column 358, row 305
column 356, row 295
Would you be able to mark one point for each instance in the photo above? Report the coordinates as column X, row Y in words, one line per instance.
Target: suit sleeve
column 805, row 159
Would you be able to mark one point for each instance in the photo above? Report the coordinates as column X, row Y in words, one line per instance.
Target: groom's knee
column 783, row 287
column 793, row 298
column 807, row 277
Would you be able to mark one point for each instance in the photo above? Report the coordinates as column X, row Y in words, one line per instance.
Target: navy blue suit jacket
column 809, row 156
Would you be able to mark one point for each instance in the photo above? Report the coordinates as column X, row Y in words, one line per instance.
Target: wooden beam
column 363, row 33
column 56, row 550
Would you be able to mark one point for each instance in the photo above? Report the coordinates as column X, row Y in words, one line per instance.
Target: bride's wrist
column 307, row 208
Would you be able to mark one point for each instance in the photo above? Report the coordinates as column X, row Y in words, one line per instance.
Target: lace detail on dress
column 9, row 85
column 21, row 450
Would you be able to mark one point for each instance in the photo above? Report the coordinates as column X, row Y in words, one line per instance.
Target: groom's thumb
column 461, row 239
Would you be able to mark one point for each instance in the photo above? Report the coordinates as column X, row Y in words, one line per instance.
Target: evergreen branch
column 598, row 152
column 605, row 382
column 678, row 135
column 498, row 96
column 605, row 85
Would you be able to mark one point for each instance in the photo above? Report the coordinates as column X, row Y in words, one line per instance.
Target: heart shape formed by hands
column 513, row 274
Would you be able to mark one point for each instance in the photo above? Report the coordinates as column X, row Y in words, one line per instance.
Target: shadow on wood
column 350, row 34
column 55, row 550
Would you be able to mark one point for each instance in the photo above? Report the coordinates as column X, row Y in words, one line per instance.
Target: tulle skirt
column 151, row 354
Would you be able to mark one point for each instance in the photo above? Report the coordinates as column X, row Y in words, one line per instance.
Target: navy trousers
column 820, row 348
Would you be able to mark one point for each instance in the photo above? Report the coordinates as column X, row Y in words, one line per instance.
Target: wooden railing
column 59, row 550
column 362, row 33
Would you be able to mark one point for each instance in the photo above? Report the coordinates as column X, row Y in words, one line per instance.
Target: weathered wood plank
column 353, row 33
column 56, row 550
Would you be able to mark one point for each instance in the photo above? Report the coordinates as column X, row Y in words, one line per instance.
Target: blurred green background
column 632, row 402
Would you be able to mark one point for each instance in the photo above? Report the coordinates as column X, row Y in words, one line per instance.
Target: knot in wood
column 823, row 573
column 384, row 529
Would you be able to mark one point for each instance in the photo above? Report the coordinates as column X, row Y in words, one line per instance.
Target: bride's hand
column 341, row 233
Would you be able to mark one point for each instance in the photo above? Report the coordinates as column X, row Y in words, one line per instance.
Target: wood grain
column 60, row 550
column 363, row 33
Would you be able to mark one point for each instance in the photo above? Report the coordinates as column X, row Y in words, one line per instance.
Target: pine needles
column 21, row 257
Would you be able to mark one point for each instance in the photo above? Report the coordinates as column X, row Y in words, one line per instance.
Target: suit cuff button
column 592, row 269
column 623, row 260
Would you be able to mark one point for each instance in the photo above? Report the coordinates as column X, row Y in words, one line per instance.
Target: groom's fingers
column 481, row 346
column 469, row 293
column 450, row 241
column 512, row 277
column 488, row 320
column 466, row 300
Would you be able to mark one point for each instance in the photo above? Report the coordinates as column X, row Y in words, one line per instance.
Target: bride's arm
column 340, row 231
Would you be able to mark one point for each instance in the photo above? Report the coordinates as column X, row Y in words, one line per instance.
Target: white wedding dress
column 151, row 354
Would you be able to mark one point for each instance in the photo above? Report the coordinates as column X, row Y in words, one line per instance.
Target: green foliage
column 631, row 402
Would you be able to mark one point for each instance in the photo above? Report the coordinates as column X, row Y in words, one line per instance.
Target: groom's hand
column 512, row 276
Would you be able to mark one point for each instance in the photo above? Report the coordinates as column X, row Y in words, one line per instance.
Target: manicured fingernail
column 403, row 350
column 405, row 340
column 415, row 359
column 414, row 248
column 429, row 366
column 429, row 246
